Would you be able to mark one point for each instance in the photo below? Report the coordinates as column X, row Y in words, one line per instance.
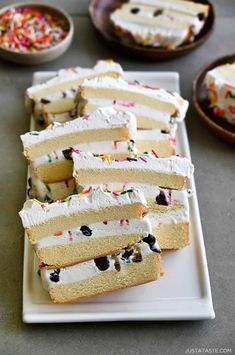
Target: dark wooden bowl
column 100, row 10
column 221, row 128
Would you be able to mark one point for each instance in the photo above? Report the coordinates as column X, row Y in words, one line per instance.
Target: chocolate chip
column 29, row 193
column 156, row 249
column 190, row 192
column 48, row 199
column 135, row 10
column 201, row 16
column 151, row 241
column 165, row 131
column 137, row 258
column 127, row 254
column 157, row 12
column 45, row 101
column 161, row 199
column 30, row 182
column 72, row 113
column 64, row 94
column 68, row 153
column 102, row 263
column 117, row 265
column 86, row 231
column 54, row 276
column 40, row 121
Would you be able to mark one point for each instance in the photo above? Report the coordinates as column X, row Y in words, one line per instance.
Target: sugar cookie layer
column 166, row 172
column 97, row 230
column 90, row 241
column 102, row 124
column 153, row 107
column 45, row 192
column 162, row 141
column 67, row 79
column 41, row 219
column 102, row 275
column 168, row 211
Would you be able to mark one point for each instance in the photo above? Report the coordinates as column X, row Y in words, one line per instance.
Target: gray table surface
column 214, row 174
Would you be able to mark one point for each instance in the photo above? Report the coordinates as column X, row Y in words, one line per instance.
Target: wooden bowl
column 100, row 10
column 221, row 128
column 44, row 55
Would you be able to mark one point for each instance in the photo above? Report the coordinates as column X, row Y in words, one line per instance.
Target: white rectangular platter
column 182, row 294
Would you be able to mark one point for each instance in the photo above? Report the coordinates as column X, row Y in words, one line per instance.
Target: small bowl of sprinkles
column 33, row 33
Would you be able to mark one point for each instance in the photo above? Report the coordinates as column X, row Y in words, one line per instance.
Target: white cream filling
column 149, row 191
column 53, row 190
column 60, row 95
column 219, row 80
column 152, row 135
column 146, row 162
column 218, row 77
column 102, row 118
column 158, row 35
column 57, row 96
column 111, row 148
column 148, row 11
column 156, row 134
column 34, row 212
column 85, row 270
column 62, row 76
column 99, row 230
column 136, row 109
column 70, row 74
column 188, row 7
column 179, row 215
column 58, row 117
column 173, row 98
column 169, row 27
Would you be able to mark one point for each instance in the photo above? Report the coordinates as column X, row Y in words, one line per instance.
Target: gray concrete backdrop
column 214, row 163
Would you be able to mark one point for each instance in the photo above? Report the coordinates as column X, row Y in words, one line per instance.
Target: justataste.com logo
column 208, row 351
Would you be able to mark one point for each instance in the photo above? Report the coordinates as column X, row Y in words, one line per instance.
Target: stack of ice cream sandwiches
column 107, row 190
column 159, row 23
column 92, row 243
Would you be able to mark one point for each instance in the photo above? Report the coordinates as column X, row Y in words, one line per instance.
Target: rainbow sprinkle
column 87, row 191
column 49, row 158
column 124, row 222
column 131, row 159
column 169, row 197
column 33, row 133
column 70, row 236
column 57, row 234
column 28, row 30
column 143, row 159
column 107, row 158
column 154, row 153
column 48, row 188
